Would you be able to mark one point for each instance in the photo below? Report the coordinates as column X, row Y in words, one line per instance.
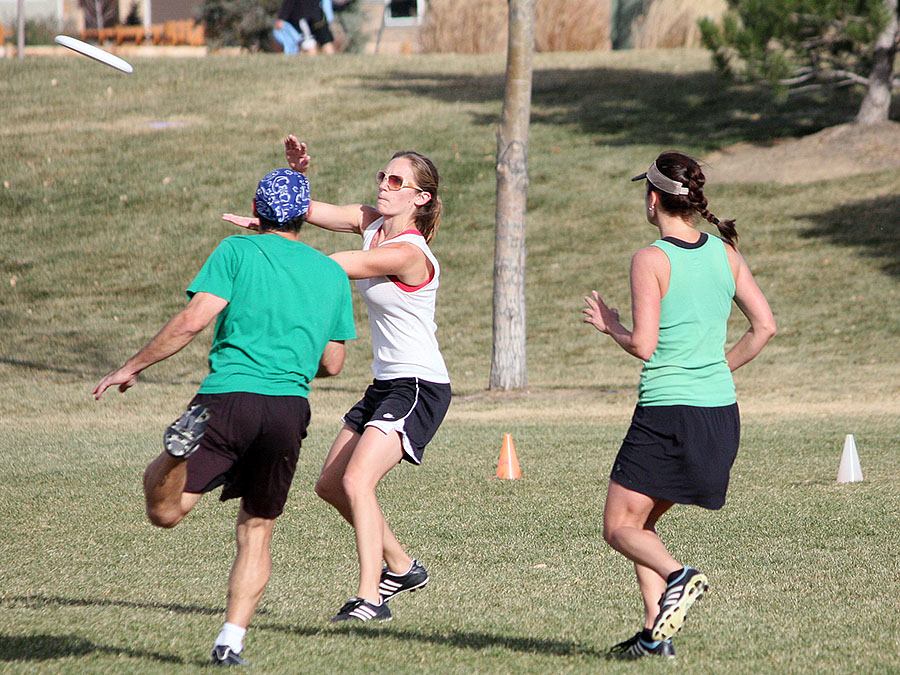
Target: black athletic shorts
column 680, row 453
column 250, row 447
column 318, row 26
column 412, row 407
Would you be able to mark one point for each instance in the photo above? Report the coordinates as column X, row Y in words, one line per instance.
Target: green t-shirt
column 688, row 366
column 285, row 302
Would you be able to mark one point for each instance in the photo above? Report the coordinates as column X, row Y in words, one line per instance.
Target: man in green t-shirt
column 283, row 311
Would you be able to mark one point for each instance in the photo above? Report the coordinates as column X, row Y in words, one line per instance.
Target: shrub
column 40, row 31
column 479, row 26
column 240, row 23
column 674, row 23
column 567, row 26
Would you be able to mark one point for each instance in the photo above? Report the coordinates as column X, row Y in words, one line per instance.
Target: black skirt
column 680, row 453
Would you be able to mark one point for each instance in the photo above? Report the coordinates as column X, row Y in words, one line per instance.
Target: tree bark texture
column 876, row 105
column 508, row 364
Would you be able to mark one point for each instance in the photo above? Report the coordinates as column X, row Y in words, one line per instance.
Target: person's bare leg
column 375, row 454
column 624, row 518
column 251, row 568
column 652, row 585
column 164, row 479
column 331, row 489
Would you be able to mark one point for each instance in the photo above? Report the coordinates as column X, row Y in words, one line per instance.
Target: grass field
column 112, row 188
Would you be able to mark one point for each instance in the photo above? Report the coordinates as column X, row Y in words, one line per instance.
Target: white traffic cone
column 850, row 471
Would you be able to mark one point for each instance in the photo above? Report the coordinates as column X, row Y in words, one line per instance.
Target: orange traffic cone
column 508, row 466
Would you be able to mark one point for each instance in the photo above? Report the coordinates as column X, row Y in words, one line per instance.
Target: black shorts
column 318, row 26
column 680, row 453
column 412, row 407
column 251, row 447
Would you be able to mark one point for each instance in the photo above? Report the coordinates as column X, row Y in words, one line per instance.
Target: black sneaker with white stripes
column 182, row 437
column 223, row 656
column 683, row 588
column 394, row 584
column 639, row 646
column 357, row 609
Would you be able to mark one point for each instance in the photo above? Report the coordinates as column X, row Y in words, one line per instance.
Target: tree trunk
column 20, row 29
column 876, row 105
column 508, row 359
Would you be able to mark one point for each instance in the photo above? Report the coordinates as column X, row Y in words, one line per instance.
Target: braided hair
column 687, row 171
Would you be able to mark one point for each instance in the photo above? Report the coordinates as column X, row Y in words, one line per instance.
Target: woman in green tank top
column 685, row 431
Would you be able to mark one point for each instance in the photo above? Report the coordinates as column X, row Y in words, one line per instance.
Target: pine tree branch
column 821, row 85
column 852, row 77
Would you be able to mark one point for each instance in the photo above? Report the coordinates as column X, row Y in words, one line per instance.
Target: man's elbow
column 332, row 361
column 193, row 326
column 330, row 369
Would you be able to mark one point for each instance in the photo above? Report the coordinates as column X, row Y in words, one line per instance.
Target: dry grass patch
column 835, row 152
column 479, row 26
column 673, row 23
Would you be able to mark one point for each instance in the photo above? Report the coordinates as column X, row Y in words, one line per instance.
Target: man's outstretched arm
column 175, row 335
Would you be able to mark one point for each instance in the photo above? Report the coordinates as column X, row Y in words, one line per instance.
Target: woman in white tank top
column 397, row 276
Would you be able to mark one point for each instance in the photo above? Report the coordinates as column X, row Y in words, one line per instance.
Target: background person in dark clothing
column 302, row 26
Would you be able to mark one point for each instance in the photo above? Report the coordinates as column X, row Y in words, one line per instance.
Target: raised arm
column 351, row 218
column 751, row 301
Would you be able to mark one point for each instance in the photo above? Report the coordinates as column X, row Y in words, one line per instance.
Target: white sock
column 232, row 636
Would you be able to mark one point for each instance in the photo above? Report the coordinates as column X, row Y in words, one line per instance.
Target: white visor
column 662, row 182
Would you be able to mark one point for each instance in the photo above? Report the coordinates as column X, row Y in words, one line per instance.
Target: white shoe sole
column 671, row 621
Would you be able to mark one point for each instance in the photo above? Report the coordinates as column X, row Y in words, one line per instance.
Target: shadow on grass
column 87, row 372
column 39, row 601
column 628, row 106
column 47, row 647
column 458, row 639
column 97, row 370
column 872, row 225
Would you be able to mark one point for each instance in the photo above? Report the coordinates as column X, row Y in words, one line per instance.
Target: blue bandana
column 282, row 196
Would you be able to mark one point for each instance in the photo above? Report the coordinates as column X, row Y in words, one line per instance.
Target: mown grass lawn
column 112, row 188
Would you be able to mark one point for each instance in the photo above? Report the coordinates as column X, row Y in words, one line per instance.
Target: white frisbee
column 94, row 52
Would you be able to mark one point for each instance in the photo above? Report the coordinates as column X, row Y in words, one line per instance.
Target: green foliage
column 793, row 43
column 40, row 31
column 240, row 23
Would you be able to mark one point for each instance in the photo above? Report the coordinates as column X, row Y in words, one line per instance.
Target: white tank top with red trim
column 401, row 317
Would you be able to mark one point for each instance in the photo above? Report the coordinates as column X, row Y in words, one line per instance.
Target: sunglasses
column 395, row 182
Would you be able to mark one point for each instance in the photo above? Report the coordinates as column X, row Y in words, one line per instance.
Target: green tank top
column 688, row 366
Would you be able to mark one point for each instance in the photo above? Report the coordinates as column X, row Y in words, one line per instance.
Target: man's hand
column 178, row 332
column 124, row 377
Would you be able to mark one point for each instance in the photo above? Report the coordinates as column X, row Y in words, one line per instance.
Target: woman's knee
column 329, row 489
column 355, row 485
